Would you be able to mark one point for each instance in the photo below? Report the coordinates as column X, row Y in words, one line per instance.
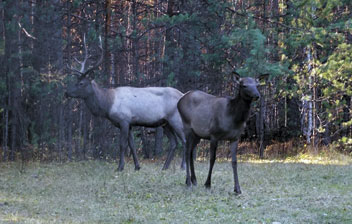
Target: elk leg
column 174, row 123
column 234, row 166
column 188, row 159
column 133, row 149
column 213, row 147
column 183, row 162
column 172, row 141
column 195, row 141
column 123, row 145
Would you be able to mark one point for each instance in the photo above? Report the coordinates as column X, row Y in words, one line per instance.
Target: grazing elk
column 215, row 118
column 128, row 106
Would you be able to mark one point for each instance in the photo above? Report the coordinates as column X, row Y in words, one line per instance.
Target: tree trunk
column 262, row 112
column 346, row 115
column 314, row 111
column 20, row 115
column 6, row 134
column 307, row 106
column 79, row 141
column 12, row 71
column 61, row 132
column 69, row 107
column 260, row 120
column 129, row 44
column 69, row 132
column 135, row 54
column 169, row 45
column 107, row 33
column 85, row 134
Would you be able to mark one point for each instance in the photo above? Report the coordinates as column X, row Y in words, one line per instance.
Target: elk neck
column 100, row 100
column 239, row 108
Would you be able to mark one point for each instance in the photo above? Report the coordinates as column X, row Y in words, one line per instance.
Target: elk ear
column 91, row 75
column 93, row 82
column 94, row 85
column 262, row 78
column 237, row 77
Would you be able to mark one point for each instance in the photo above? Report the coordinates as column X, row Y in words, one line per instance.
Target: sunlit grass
column 304, row 158
column 289, row 190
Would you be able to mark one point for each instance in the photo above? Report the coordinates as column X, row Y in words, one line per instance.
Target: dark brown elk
column 206, row 116
column 129, row 106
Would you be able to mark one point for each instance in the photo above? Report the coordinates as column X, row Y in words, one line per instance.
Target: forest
column 304, row 47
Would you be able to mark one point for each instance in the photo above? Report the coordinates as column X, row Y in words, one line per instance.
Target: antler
column 83, row 72
column 86, row 56
column 97, row 64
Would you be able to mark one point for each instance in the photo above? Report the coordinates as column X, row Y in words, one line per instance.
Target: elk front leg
column 123, row 145
column 176, row 125
column 172, row 141
column 234, row 166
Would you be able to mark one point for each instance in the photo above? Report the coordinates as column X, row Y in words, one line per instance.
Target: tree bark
column 12, row 71
column 307, row 106
column 346, row 115
column 69, row 123
column 262, row 112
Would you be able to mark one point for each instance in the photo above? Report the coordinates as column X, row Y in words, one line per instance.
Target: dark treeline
column 305, row 46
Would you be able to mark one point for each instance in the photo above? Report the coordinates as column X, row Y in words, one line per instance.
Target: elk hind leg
column 133, row 149
column 195, row 141
column 213, row 147
column 188, row 157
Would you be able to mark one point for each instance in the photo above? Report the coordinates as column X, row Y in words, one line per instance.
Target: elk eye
column 81, row 84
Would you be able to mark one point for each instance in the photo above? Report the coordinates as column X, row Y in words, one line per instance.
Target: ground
column 303, row 190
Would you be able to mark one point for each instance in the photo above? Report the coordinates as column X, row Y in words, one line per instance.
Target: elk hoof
column 137, row 168
column 237, row 191
column 183, row 166
column 194, row 182
column 188, row 182
column 120, row 169
column 207, row 185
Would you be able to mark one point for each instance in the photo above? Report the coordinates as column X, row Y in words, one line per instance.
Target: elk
column 214, row 118
column 129, row 106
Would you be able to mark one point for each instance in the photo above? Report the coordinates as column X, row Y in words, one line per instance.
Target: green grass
column 92, row 192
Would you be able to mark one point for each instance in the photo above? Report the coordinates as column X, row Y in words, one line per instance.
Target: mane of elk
column 215, row 118
column 129, row 106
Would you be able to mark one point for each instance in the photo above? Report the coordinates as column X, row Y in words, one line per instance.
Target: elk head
column 83, row 87
column 247, row 87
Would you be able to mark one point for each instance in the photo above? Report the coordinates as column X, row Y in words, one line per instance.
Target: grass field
column 303, row 190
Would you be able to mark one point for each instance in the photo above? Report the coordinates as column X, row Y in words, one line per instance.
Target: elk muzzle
column 70, row 91
column 256, row 96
